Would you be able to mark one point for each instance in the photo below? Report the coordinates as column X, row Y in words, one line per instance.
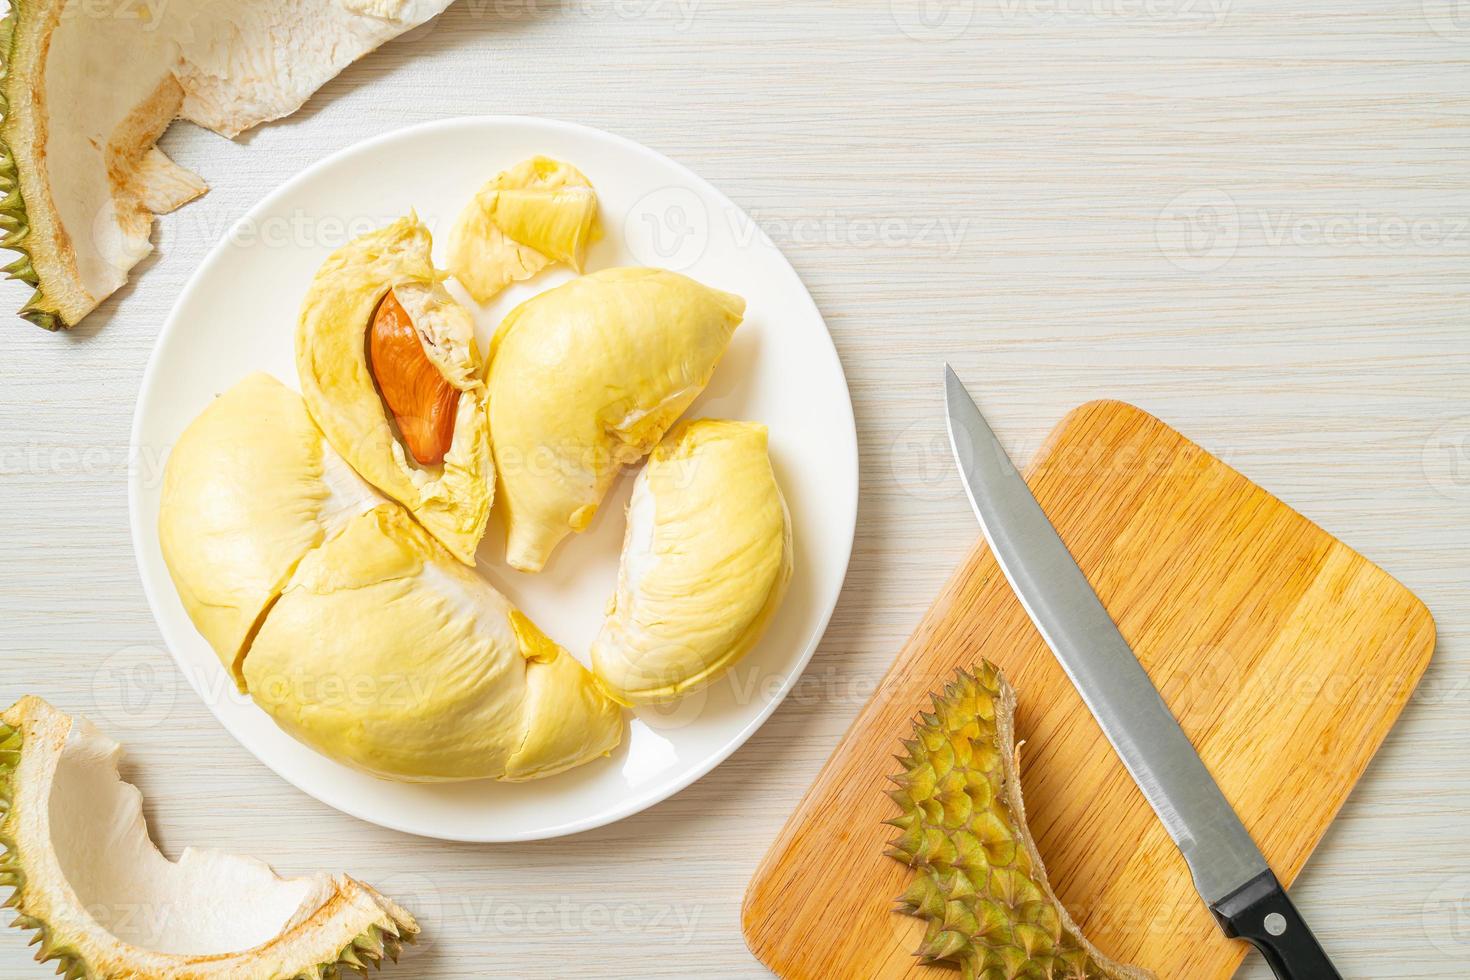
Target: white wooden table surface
column 1250, row 218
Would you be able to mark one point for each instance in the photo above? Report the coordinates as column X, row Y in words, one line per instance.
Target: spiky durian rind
column 979, row 882
column 15, row 226
column 384, row 939
column 69, row 965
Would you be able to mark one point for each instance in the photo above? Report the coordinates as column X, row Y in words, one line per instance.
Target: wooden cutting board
column 1285, row 655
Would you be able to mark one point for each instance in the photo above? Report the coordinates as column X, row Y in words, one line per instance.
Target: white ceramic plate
column 238, row 314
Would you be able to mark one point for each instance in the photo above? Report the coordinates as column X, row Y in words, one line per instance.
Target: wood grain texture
column 1285, row 656
column 990, row 198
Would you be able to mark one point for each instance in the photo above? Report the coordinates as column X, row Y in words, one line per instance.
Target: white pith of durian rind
column 453, row 499
column 585, row 379
column 81, row 185
column 313, row 589
column 384, row 653
column 706, row 560
column 490, row 248
column 106, row 903
column 249, row 487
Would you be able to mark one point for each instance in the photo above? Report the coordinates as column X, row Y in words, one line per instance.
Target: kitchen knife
column 1229, row 871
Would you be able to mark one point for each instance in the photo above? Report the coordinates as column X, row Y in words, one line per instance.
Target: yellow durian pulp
column 706, row 560
column 385, row 654
column 539, row 212
column 451, row 499
column 248, row 489
column 349, row 623
column 586, row 378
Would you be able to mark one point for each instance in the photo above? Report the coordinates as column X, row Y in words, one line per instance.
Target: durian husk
column 227, row 65
column 354, row 926
column 979, row 882
column 15, row 228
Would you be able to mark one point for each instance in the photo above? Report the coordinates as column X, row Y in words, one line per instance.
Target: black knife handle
column 1260, row 912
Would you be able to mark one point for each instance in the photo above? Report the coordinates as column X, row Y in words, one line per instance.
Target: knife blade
column 1229, row 871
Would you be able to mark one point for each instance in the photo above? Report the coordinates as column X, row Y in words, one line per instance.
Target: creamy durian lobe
column 706, row 561
column 536, row 214
column 585, row 379
column 392, row 375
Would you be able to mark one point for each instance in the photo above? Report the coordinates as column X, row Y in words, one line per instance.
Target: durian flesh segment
column 385, row 654
column 978, row 880
column 568, row 719
column 706, row 560
column 249, row 488
column 107, row 904
column 87, row 96
column 586, row 378
column 451, row 499
column 446, row 331
column 359, row 612
column 539, row 212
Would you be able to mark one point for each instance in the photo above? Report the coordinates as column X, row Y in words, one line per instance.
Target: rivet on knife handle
column 1261, row 913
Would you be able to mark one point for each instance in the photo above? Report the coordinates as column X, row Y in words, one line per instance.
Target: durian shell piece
column 14, row 221
column 86, row 95
column 537, row 213
column 586, row 378
column 979, row 882
column 451, row 499
column 706, row 560
column 344, row 925
column 80, row 187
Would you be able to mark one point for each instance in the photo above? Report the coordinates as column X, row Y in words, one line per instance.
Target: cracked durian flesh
column 249, row 488
column 385, row 654
column 537, row 213
column 586, row 378
column 978, row 881
column 347, row 622
column 350, row 393
column 706, row 560
column 85, row 97
column 106, row 903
